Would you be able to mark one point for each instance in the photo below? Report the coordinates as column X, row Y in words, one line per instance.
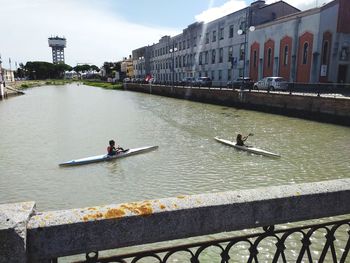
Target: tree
column 95, row 68
column 45, row 70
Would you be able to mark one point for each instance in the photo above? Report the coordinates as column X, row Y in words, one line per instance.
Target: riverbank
column 104, row 85
column 322, row 109
column 37, row 83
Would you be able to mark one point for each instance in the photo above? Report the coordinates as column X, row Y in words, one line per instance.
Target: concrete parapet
column 13, row 231
column 60, row 233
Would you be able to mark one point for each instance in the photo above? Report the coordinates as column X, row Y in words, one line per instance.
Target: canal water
column 52, row 124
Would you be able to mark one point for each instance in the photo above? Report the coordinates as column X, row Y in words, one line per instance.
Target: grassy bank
column 105, row 85
column 37, row 83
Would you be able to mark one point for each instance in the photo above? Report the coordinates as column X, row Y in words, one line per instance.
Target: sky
column 103, row 30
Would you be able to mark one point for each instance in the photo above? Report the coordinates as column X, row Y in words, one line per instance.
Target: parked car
column 203, row 82
column 189, row 81
column 271, row 83
column 246, row 83
column 126, row 80
column 152, row 81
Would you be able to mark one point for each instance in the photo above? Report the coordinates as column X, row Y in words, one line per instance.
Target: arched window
column 285, row 55
column 213, row 54
column 269, row 57
column 325, row 53
column 255, row 59
column 305, row 52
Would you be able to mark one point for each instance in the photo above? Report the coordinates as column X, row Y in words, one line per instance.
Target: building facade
column 307, row 47
column 127, row 67
column 257, row 41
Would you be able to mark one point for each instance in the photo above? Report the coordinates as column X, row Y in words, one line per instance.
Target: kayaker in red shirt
column 112, row 150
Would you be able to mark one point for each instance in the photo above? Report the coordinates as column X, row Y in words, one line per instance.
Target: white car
column 271, row 83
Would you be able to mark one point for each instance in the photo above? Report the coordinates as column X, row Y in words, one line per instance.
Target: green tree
column 45, row 70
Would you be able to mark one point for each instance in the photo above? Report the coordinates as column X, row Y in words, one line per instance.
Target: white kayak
column 105, row 157
column 248, row 148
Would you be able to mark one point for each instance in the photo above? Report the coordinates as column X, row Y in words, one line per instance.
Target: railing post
column 13, row 231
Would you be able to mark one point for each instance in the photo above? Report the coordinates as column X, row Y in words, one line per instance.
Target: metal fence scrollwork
column 312, row 243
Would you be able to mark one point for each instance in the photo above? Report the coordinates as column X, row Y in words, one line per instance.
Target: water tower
column 57, row 44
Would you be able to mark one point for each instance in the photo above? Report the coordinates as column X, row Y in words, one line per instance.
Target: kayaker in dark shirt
column 112, row 150
column 240, row 140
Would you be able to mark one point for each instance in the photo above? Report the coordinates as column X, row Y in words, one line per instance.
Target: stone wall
column 327, row 109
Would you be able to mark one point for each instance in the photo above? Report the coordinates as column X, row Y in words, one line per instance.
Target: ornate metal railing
column 284, row 245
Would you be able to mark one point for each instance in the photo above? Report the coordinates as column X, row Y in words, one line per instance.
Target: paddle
column 250, row 134
column 246, row 137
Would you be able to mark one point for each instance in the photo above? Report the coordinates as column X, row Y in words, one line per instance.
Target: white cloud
column 220, row 11
column 231, row 6
column 303, row 4
column 93, row 35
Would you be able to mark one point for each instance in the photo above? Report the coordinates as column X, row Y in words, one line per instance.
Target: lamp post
column 2, row 92
column 244, row 32
column 172, row 51
column 141, row 65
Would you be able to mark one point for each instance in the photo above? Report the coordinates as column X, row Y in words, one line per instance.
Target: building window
column 176, row 63
column 213, row 54
column 229, row 74
column 285, row 55
column 325, row 53
column 242, row 25
column 255, row 58
column 206, row 55
column 269, row 57
column 184, row 44
column 221, row 33
column 230, row 54
column 221, row 55
column 180, row 46
column 206, row 38
column 195, row 41
column 188, row 43
column 231, row 32
column 305, row 52
column 240, row 72
column 200, row 58
column 184, row 61
column 214, row 36
column 220, row 74
column 241, row 52
column 212, row 74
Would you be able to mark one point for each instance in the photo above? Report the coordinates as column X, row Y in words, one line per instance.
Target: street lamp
column 244, row 32
column 141, row 65
column 172, row 51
